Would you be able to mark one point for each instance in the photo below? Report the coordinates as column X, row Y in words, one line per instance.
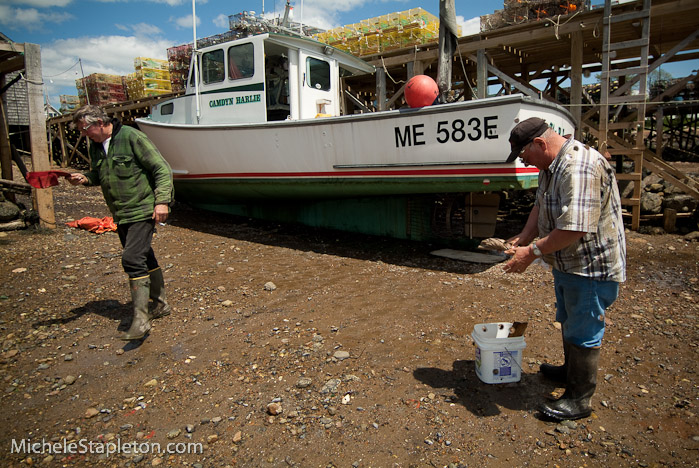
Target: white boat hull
column 458, row 147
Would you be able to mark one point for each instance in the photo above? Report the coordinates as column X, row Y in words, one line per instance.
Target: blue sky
column 108, row 34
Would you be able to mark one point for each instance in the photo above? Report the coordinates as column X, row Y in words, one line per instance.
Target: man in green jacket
column 137, row 185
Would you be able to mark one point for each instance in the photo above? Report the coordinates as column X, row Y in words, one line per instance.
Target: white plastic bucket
column 498, row 357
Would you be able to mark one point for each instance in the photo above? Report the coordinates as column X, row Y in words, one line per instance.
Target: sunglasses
column 525, row 148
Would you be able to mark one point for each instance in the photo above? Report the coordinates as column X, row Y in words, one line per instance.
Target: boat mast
column 195, row 62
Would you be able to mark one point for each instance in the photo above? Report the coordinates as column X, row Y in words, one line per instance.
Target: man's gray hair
column 89, row 115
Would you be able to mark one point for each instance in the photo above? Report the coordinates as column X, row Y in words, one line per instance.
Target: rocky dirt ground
column 298, row 347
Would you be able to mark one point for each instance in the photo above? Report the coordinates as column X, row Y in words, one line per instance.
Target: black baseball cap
column 524, row 133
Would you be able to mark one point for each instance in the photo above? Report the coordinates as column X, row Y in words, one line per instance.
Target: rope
column 72, row 66
column 463, row 68
column 557, row 25
column 38, row 83
column 388, row 74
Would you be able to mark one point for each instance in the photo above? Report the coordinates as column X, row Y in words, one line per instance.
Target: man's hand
column 522, row 257
column 77, row 179
column 161, row 213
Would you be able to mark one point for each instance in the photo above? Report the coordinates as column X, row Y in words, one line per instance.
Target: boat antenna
column 195, row 61
column 285, row 20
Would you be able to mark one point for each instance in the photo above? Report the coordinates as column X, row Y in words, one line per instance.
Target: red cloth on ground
column 96, row 225
column 45, row 179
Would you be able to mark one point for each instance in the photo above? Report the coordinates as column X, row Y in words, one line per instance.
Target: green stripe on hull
column 399, row 217
column 223, row 191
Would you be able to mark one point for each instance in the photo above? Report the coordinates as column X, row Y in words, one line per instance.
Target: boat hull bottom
column 449, row 219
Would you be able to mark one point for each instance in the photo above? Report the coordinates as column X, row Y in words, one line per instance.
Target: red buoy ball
column 421, row 91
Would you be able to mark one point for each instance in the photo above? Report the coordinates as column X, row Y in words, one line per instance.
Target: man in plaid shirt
column 577, row 220
column 137, row 185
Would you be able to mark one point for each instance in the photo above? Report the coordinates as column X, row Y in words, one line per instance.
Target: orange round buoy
column 421, row 91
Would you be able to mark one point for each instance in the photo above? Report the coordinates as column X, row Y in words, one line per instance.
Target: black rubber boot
column 160, row 307
column 140, row 325
column 557, row 373
column 581, row 384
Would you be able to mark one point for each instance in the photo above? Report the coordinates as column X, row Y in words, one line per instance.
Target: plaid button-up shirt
column 134, row 176
column 578, row 192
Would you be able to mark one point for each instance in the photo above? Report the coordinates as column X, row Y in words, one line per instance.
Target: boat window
column 167, row 109
column 213, row 70
column 241, row 61
column 318, row 74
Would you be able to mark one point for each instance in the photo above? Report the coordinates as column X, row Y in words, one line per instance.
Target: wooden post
column 61, row 135
column 5, row 150
column 37, row 131
column 482, row 66
column 669, row 220
column 380, row 89
column 576, row 89
column 659, row 128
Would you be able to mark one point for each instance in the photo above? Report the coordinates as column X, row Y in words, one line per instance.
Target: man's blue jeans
column 581, row 303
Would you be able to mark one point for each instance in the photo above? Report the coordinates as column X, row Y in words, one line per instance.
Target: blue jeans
column 580, row 306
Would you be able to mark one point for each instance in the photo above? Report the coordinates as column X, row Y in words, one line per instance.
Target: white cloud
column 185, row 21
column 29, row 18
column 145, row 29
column 41, row 3
column 61, row 55
column 178, row 2
column 320, row 13
column 469, row 27
column 221, row 21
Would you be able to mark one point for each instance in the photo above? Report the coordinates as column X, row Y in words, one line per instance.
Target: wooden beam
column 380, row 89
column 37, row 131
column 503, row 76
column 13, row 64
column 656, row 63
column 12, row 47
column 62, row 138
column 5, row 150
column 482, row 74
column 395, row 97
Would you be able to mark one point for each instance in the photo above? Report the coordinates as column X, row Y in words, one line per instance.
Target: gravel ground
column 292, row 346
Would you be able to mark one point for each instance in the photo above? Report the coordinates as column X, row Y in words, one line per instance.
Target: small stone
column 304, row 382
column 174, row 433
column 212, row 438
column 151, row 383
column 274, row 408
column 91, row 413
column 269, row 286
column 70, row 379
column 341, row 355
column 330, row 386
column 237, row 437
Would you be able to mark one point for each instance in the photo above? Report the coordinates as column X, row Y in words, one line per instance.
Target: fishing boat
column 261, row 131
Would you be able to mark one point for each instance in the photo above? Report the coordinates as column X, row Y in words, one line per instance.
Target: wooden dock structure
column 548, row 58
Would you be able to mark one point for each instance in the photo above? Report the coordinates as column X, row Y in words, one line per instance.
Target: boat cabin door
column 318, row 86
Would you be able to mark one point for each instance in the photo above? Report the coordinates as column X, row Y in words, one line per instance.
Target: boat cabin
column 262, row 78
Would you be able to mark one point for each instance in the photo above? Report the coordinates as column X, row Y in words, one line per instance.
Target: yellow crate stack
column 151, row 78
column 383, row 33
